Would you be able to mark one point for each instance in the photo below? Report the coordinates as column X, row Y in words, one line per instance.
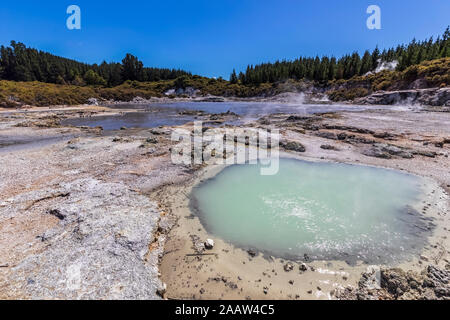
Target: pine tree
column 132, row 68
column 366, row 63
column 375, row 57
column 233, row 77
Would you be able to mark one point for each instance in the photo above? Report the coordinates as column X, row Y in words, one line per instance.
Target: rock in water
column 209, row 244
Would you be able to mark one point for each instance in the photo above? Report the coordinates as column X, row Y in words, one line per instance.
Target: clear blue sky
column 211, row 37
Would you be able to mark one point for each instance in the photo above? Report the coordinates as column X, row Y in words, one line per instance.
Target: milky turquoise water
column 324, row 210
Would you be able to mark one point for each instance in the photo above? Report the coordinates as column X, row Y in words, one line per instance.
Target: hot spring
column 323, row 211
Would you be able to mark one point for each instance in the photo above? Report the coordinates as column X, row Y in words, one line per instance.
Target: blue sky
column 212, row 37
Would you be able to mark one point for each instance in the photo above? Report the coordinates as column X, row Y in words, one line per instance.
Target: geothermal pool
column 327, row 211
column 158, row 114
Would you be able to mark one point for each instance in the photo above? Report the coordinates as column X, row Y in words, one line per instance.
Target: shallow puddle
column 159, row 114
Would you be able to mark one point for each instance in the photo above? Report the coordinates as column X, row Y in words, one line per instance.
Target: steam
column 384, row 65
column 289, row 98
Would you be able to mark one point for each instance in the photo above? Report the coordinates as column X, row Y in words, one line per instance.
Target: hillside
column 428, row 74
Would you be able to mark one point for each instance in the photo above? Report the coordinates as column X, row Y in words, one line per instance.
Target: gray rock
column 431, row 97
column 328, row 147
column 161, row 291
column 303, row 267
column 386, row 151
column 288, row 267
column 209, row 244
column 252, row 253
column 99, row 250
column 431, row 284
column 326, row 135
column 293, row 146
column 92, row 101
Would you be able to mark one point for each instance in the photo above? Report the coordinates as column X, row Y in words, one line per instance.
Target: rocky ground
column 75, row 219
column 432, row 283
column 430, row 97
column 88, row 214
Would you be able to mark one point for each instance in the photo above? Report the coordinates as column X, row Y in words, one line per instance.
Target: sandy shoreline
column 139, row 160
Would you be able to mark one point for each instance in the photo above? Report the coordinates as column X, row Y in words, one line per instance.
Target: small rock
column 342, row 136
column 303, row 267
column 92, row 101
column 209, row 244
column 252, row 253
column 288, row 267
column 293, row 146
column 56, row 213
column 151, row 140
column 161, row 289
column 328, row 147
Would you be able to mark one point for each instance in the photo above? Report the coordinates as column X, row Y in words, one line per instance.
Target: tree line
column 346, row 67
column 20, row 63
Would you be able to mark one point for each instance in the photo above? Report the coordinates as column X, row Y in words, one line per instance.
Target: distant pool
column 324, row 210
column 158, row 114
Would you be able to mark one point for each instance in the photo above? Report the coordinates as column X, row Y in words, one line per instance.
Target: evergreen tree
column 19, row 63
column 366, row 63
column 348, row 66
column 233, row 77
column 132, row 68
column 375, row 58
column 93, row 78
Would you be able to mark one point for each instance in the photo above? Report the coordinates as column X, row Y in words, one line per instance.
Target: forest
column 20, row 63
column 325, row 68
